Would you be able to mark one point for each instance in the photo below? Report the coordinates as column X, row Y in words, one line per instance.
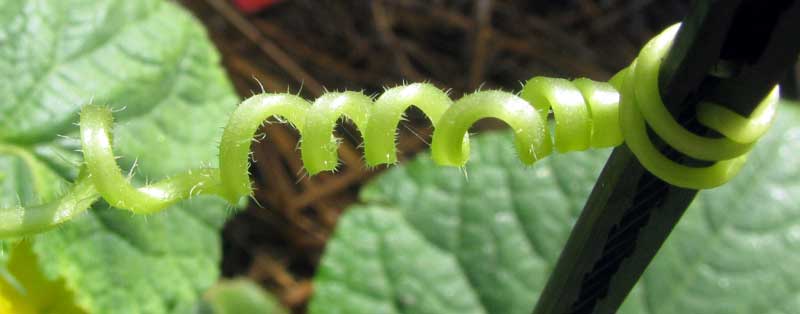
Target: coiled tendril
column 587, row 114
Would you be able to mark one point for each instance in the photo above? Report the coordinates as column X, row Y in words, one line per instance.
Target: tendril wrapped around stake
column 587, row 114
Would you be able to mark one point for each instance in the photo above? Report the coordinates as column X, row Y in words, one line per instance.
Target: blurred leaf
column 241, row 296
column 153, row 62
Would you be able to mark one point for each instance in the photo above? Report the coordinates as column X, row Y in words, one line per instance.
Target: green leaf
column 485, row 239
column 241, row 296
column 120, row 263
column 27, row 178
column 153, row 63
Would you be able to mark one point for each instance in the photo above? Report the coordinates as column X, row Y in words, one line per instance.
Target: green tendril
column 379, row 138
column 641, row 105
column 116, row 189
column 319, row 147
column 587, row 114
column 529, row 127
column 234, row 150
column 20, row 221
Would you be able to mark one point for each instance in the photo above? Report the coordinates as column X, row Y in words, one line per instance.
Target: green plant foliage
column 483, row 240
column 429, row 241
column 153, row 63
column 241, row 296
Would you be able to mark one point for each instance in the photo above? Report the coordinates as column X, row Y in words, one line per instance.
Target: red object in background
column 253, row 6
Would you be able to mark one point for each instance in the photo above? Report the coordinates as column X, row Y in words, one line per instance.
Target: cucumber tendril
column 587, row 114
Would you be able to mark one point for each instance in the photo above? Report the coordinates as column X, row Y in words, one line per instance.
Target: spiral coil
column 587, row 114
column 641, row 106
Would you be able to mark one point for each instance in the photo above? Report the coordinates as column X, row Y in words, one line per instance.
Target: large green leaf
column 484, row 240
column 153, row 62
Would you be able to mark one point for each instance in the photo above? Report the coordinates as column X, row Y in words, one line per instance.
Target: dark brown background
column 366, row 45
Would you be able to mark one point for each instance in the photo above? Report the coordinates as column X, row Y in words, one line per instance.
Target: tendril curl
column 587, row 114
